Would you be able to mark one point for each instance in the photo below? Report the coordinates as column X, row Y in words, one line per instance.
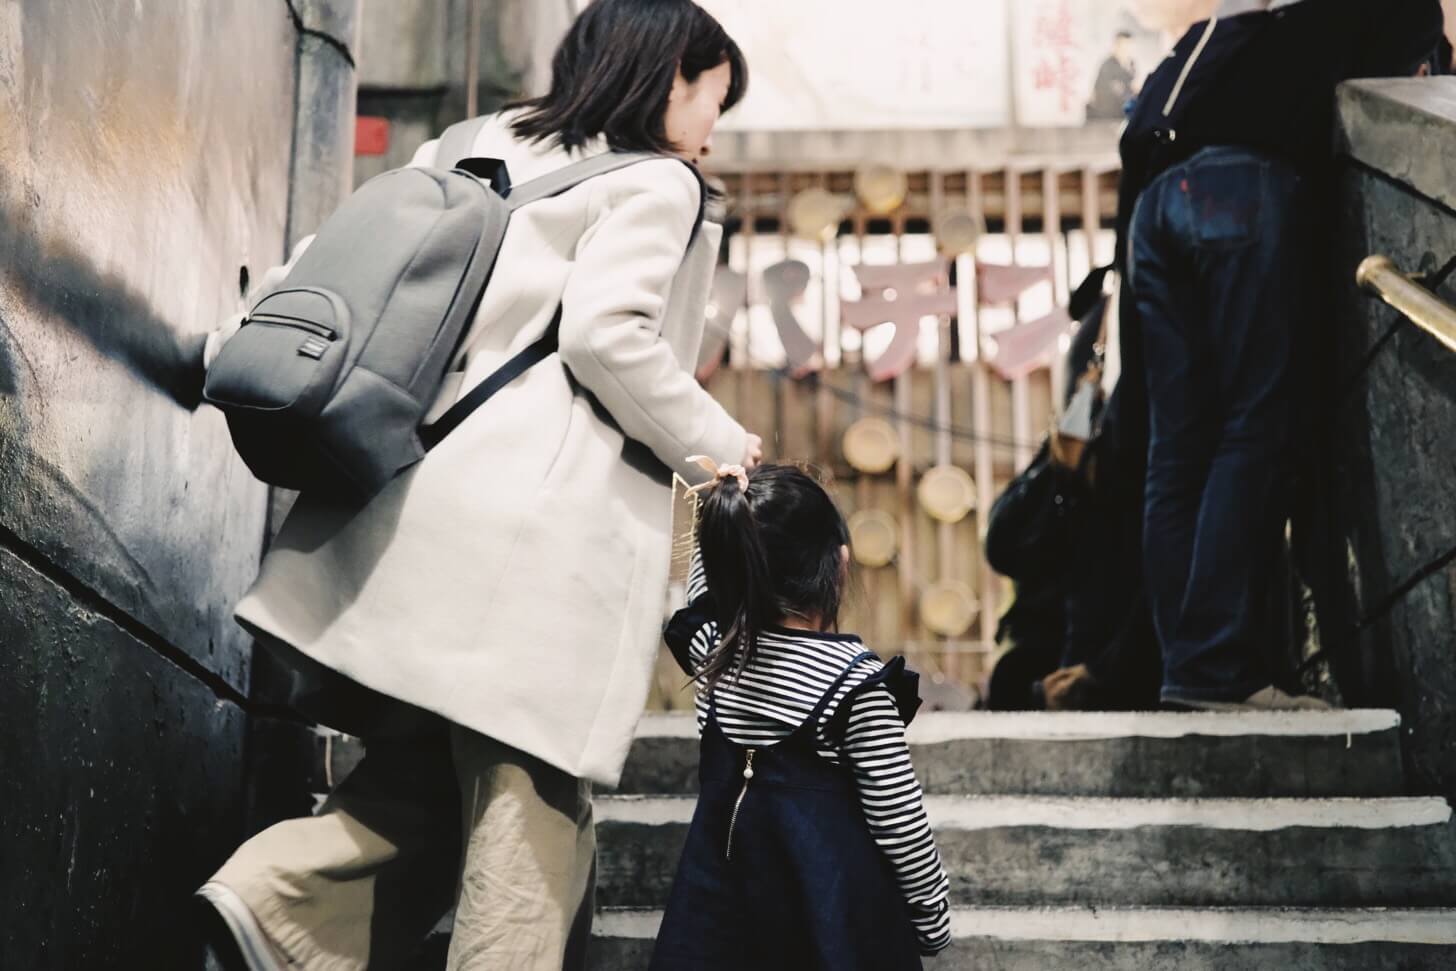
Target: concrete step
column 1043, row 851
column 1139, row 940
column 1138, row 755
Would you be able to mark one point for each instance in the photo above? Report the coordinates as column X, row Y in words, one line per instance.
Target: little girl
column 809, row 848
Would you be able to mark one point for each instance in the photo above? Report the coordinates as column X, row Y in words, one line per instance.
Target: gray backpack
column 327, row 383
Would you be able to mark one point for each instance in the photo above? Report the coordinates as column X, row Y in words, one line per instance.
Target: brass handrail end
column 1382, row 277
column 1370, row 266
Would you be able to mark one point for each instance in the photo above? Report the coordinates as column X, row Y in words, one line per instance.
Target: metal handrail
column 1380, row 276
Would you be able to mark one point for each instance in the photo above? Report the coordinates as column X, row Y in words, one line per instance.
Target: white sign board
column 869, row 64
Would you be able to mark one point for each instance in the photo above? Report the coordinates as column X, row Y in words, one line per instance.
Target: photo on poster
column 1084, row 61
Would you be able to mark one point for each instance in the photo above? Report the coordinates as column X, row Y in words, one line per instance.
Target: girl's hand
column 753, row 454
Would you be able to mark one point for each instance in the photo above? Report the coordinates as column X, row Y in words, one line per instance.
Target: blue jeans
column 1218, row 255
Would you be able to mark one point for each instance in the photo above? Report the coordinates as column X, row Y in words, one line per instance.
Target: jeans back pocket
column 1225, row 201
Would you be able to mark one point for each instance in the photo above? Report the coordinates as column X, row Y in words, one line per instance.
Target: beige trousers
column 361, row 884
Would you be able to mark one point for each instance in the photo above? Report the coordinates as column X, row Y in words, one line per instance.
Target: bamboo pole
column 980, row 423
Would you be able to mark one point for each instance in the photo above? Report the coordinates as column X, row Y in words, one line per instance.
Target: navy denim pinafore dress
column 780, row 872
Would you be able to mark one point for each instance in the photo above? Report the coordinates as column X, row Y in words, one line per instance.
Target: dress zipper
column 747, row 778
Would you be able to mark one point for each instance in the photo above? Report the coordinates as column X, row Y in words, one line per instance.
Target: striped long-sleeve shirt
column 791, row 671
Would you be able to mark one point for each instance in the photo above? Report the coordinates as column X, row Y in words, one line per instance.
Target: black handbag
column 1028, row 533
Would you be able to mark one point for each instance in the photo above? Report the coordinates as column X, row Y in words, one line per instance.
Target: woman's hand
column 219, row 337
column 753, row 454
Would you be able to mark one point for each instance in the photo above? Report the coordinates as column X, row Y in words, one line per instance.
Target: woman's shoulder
column 665, row 175
column 654, row 203
column 671, row 183
column 668, row 181
column 494, row 139
column 525, row 158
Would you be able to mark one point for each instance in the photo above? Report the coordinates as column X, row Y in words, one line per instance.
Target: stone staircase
column 1109, row 842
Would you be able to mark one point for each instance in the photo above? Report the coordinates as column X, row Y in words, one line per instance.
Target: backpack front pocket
column 281, row 360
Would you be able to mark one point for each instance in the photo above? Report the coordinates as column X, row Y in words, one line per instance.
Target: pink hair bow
column 718, row 473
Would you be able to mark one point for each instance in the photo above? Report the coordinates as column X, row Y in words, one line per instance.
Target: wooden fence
column 960, row 403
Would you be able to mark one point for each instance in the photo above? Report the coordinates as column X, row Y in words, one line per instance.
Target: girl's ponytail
column 735, row 564
column 773, row 547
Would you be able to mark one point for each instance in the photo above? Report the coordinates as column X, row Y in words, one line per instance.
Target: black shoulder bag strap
column 546, row 187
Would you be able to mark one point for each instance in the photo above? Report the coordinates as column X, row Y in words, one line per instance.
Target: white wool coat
column 515, row 580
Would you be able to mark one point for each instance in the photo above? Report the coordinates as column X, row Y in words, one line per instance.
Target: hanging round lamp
column 947, row 493
column 874, row 538
column 872, row 446
column 881, row 189
column 957, row 231
column 815, row 214
column 949, row 608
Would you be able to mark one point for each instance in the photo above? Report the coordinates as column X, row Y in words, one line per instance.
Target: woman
column 512, row 585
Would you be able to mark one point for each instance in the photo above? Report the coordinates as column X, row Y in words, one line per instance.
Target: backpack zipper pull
column 747, row 778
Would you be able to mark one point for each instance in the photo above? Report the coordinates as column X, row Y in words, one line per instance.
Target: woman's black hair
column 613, row 73
column 769, row 554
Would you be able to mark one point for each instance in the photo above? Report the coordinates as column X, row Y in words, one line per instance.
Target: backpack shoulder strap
column 458, row 142
column 542, row 348
column 546, row 187
column 569, row 177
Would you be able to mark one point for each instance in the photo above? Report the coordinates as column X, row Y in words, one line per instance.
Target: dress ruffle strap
column 903, row 684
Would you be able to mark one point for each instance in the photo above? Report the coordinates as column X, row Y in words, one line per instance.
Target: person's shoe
column 218, row 956
column 1265, row 699
column 214, row 938
column 237, row 942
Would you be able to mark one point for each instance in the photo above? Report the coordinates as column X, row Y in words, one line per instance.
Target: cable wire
column 850, row 396
column 329, row 39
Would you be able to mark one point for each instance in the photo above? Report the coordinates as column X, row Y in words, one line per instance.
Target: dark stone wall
column 1388, row 616
column 121, row 784
column 145, row 162
column 145, row 157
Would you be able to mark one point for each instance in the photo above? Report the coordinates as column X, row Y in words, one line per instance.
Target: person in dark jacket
column 1078, row 635
column 1226, row 159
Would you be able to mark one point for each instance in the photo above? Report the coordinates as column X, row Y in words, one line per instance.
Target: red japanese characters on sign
column 1058, row 66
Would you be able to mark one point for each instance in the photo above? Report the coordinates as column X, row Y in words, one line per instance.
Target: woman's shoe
column 238, row 943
